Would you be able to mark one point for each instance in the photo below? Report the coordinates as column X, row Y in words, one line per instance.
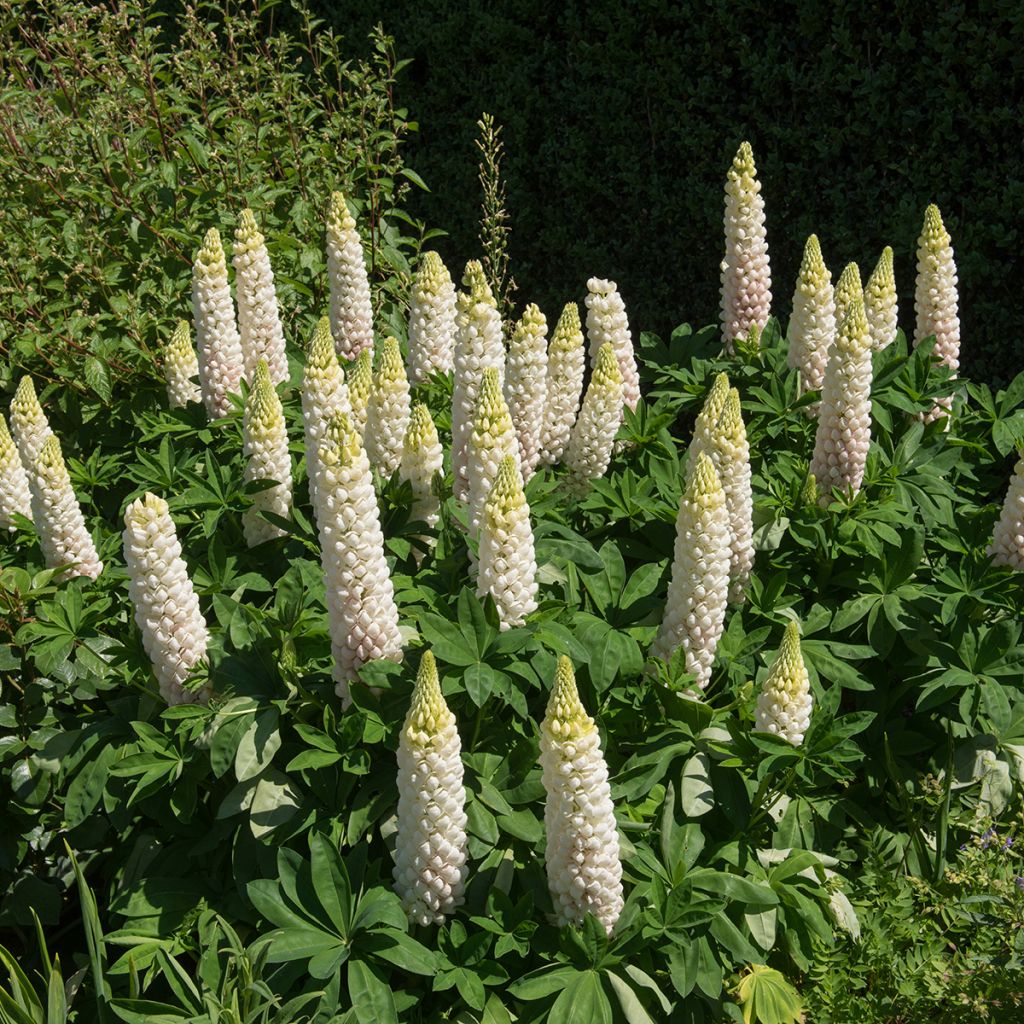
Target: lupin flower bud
column 362, row 615
column 351, row 308
column 880, row 302
column 265, row 446
column 180, row 366
column 508, row 563
column 166, row 607
column 848, row 288
column 707, row 419
column 746, row 269
column 422, row 461
column 697, row 594
column 784, row 704
column 1007, row 547
column 564, row 384
column 259, row 323
column 387, row 413
column 14, row 496
column 812, row 327
column 360, row 384
column 582, row 840
column 607, row 324
column 430, row 842
column 590, row 443
column 844, row 425
column 431, row 319
column 218, row 343
column 526, row 384
column 733, row 465
column 29, row 424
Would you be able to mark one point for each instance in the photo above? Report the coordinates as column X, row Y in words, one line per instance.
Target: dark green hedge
column 620, row 121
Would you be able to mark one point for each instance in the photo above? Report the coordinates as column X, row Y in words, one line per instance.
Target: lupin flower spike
column 28, row 423
column 589, row 450
column 430, row 842
column 733, row 465
column 180, row 367
column 360, row 384
column 564, row 384
column 431, row 319
column 265, row 446
column 812, row 327
column 218, row 343
column 607, row 324
column 697, row 594
column 351, row 308
column 259, row 322
column 784, row 704
column 526, row 370
column 880, row 302
column 387, row 413
column 746, row 269
column 1007, row 547
column 844, row 424
column 848, row 288
column 166, row 607
column 582, row 841
column 707, row 419
column 422, row 461
column 14, row 494
column 508, row 563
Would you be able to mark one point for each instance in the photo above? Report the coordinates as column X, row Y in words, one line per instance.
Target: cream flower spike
column 387, row 413
column 707, row 419
column 589, row 450
column 848, row 288
column 812, row 327
column 430, row 843
column 218, row 343
column 259, row 322
column 697, row 594
column 1007, row 547
column 29, row 424
column 526, row 384
column 265, row 446
column 351, row 308
column 844, row 424
column 166, row 608
column 607, row 323
column 360, row 385
column 431, row 319
column 508, row 564
column 746, row 269
column 361, row 609
column 880, row 302
column 733, row 465
column 14, row 494
column 784, row 704
column 180, row 366
column 582, row 841
column 564, row 384
column 422, row 462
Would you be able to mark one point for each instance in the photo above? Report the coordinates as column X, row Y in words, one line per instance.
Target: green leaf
column 330, row 882
column 695, row 791
column 766, row 997
column 260, row 741
column 582, row 1001
column 371, row 998
column 632, row 1008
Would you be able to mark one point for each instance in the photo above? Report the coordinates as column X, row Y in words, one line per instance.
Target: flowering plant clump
column 265, row 446
column 181, row 367
column 564, row 384
column 14, row 494
column 387, row 412
column 431, row 319
column 351, row 309
column 812, row 326
column 784, row 704
column 526, row 384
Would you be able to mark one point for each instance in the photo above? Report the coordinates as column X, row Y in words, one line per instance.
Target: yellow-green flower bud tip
column 247, row 233
column 428, row 710
column 50, row 457
column 812, row 326
column 432, row 272
column 341, row 442
column 566, row 718
column 706, row 484
column 784, row 705
column 710, row 414
column 391, row 365
column 606, row 369
column 848, row 287
column 568, row 328
column 360, row 384
column 180, row 366
column 211, row 253
column 507, row 494
column 261, row 396
column 475, row 280
column 421, row 427
column 338, row 214
column 880, row 301
column 320, row 352
column 809, row 491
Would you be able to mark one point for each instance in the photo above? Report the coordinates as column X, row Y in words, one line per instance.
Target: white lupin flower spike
column 812, row 327
column 360, row 385
column 844, row 424
column 218, row 343
column 746, row 268
column 351, row 308
column 259, row 322
column 387, row 413
column 422, row 461
column 582, row 841
column 784, row 703
column 848, row 288
column 29, row 424
column 564, row 384
column 589, row 450
column 526, row 371
column 607, row 323
column 697, row 594
column 166, row 607
column 1007, row 547
column 362, row 615
column 430, row 843
column 733, row 464
column 508, row 563
column 14, row 494
column 265, row 446
column 431, row 319
column 704, row 429
column 180, row 367
column 880, row 305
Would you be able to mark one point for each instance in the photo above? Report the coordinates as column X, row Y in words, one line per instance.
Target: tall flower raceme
column 387, row 413
column 422, row 462
column 1007, row 547
column 431, row 319
column 29, row 424
column 699, row 588
column 430, row 842
column 526, row 370
column 732, row 460
column 704, row 429
column 360, row 384
column 58, row 518
column 848, row 288
column 180, row 367
column 592, row 438
column 265, row 446
column 166, row 606
column 784, row 704
column 607, row 324
column 844, row 423
column 812, row 327
column 259, row 322
column 14, row 493
column 564, row 385
column 508, row 564
column 582, row 841
column 218, row 343
column 880, row 305
column 351, row 308
column 362, row 614
column 746, row 269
